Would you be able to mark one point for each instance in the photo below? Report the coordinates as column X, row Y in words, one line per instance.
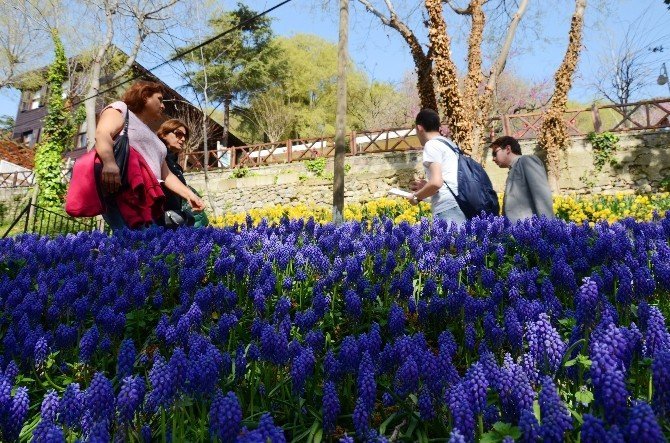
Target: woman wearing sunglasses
column 143, row 104
column 174, row 134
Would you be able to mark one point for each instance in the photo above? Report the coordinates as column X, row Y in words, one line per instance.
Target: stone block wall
column 12, row 202
column 643, row 162
column 368, row 177
column 643, row 157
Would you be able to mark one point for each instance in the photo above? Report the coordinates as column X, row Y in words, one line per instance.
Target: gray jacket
column 527, row 190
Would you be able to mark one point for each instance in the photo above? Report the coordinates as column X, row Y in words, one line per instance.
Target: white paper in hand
column 400, row 192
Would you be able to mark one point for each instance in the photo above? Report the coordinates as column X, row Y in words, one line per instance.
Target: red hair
column 136, row 96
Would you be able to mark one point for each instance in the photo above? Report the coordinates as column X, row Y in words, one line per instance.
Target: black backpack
column 475, row 191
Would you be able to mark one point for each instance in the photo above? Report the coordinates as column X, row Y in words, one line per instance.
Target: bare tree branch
column 462, row 11
column 422, row 61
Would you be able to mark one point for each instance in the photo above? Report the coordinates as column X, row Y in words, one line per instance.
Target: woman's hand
column 110, row 123
column 196, row 203
column 111, row 177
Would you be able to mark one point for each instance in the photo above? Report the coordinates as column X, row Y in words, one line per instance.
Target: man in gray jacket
column 527, row 189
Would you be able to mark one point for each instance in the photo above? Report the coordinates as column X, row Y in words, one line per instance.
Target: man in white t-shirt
column 440, row 165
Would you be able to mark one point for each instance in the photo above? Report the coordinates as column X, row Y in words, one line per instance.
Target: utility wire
column 172, row 59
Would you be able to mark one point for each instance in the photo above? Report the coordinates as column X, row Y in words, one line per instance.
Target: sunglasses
column 180, row 134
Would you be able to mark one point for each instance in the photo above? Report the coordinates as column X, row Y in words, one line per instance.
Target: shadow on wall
column 642, row 164
column 647, row 163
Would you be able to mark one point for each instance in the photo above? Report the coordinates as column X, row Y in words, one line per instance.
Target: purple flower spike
column 642, row 425
column 49, row 406
column 48, row 432
column 331, row 406
column 130, row 398
column 556, row 419
column 126, row 359
column 225, row 417
column 99, row 399
column 545, row 344
column 661, row 379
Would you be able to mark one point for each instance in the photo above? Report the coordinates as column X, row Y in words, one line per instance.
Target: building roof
column 17, row 153
column 175, row 100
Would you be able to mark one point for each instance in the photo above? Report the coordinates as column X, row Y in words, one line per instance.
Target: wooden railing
column 264, row 154
column 17, row 179
column 25, row 179
column 645, row 115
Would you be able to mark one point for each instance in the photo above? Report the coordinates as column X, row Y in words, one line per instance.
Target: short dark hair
column 507, row 140
column 429, row 119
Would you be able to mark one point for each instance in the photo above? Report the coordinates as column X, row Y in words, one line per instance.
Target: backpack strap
column 457, row 151
column 453, row 147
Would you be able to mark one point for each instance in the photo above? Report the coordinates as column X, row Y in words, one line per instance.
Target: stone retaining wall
column 644, row 161
column 12, row 202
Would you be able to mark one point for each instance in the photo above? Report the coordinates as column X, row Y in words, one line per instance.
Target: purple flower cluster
column 452, row 325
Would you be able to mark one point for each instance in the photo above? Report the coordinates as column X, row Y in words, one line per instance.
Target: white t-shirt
column 436, row 151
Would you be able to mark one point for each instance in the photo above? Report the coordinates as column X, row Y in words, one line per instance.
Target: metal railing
column 35, row 219
column 644, row 115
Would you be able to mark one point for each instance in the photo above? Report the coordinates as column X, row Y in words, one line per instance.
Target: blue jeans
column 113, row 216
column 452, row 214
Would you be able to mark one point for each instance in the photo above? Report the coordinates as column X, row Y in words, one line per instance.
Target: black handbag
column 122, row 150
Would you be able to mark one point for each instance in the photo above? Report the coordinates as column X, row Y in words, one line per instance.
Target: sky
column 538, row 50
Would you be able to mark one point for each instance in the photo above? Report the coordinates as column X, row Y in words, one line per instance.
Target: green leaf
column 312, row 431
column 502, row 428
column 490, row 437
column 584, row 361
column 584, row 397
column 505, row 429
column 412, row 426
column 570, row 363
column 382, row 427
column 318, row 436
column 536, row 410
column 577, row 416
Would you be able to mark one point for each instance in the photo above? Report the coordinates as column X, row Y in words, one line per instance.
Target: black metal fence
column 34, row 219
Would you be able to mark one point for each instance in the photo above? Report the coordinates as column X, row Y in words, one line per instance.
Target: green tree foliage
column 59, row 127
column 6, row 125
column 311, row 86
column 241, row 62
column 306, row 96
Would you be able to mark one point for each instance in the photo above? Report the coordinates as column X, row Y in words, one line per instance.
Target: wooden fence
column 644, row 115
column 17, row 179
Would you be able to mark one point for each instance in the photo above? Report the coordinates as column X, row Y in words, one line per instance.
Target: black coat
column 172, row 200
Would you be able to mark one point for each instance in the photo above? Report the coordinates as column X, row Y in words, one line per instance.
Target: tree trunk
column 471, row 95
column 553, row 133
column 423, row 64
column 340, row 142
column 94, row 85
column 444, row 68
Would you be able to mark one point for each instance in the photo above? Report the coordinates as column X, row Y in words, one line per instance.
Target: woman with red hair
column 143, row 102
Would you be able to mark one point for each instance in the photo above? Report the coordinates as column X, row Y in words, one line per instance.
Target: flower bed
column 307, row 332
column 567, row 207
